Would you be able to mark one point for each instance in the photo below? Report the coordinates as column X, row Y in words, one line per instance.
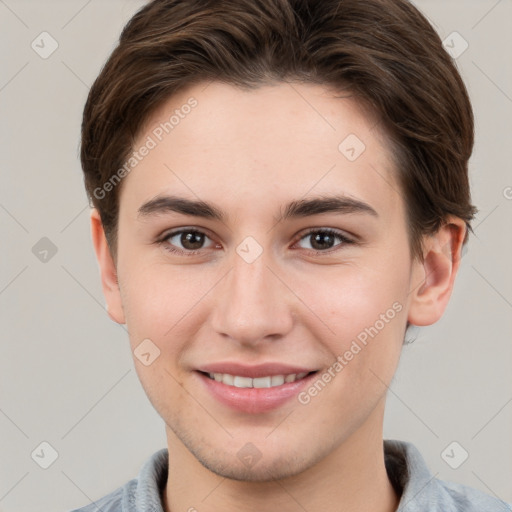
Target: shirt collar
column 407, row 470
column 411, row 477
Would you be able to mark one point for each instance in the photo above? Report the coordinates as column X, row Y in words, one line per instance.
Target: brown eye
column 186, row 241
column 191, row 240
column 323, row 240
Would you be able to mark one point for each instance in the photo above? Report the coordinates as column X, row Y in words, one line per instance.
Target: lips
column 254, row 389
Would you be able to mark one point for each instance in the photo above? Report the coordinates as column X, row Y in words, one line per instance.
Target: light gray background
column 66, row 372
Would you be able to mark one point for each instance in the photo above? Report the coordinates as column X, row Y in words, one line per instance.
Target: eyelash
column 345, row 240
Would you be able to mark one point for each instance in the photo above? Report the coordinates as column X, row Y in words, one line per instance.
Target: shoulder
column 423, row 492
column 116, row 501
column 112, row 502
column 463, row 498
column 141, row 494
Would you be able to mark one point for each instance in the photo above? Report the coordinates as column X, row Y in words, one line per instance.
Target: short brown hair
column 384, row 52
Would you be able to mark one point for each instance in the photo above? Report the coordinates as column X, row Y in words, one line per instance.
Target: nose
column 252, row 305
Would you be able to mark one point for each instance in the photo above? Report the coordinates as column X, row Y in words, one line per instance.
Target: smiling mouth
column 269, row 381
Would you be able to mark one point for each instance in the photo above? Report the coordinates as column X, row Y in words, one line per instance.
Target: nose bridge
column 252, row 302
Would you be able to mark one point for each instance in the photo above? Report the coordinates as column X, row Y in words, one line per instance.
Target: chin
column 263, row 469
column 260, row 472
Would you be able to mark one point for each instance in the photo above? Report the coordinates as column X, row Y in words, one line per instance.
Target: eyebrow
column 295, row 209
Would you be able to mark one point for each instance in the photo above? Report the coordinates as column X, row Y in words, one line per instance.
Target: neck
column 352, row 478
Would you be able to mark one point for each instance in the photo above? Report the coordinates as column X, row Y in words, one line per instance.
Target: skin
column 249, row 153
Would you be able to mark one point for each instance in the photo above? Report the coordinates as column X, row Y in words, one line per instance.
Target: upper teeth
column 259, row 382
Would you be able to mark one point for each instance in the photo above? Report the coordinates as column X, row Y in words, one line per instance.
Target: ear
column 433, row 279
column 108, row 271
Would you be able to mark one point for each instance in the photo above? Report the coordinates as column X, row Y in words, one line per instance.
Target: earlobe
column 107, row 267
column 433, row 279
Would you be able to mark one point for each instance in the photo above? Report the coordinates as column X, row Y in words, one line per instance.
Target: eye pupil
column 192, row 237
column 320, row 239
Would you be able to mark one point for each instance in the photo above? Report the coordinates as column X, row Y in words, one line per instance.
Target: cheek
column 356, row 298
column 365, row 310
column 157, row 304
column 368, row 318
column 157, row 298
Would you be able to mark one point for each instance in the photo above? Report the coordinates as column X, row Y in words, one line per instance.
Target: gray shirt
column 420, row 491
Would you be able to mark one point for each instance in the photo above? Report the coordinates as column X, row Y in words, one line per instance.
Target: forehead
column 249, row 148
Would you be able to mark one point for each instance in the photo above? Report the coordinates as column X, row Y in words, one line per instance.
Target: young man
column 280, row 189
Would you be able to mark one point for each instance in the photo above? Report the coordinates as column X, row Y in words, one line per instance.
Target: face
column 265, row 282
